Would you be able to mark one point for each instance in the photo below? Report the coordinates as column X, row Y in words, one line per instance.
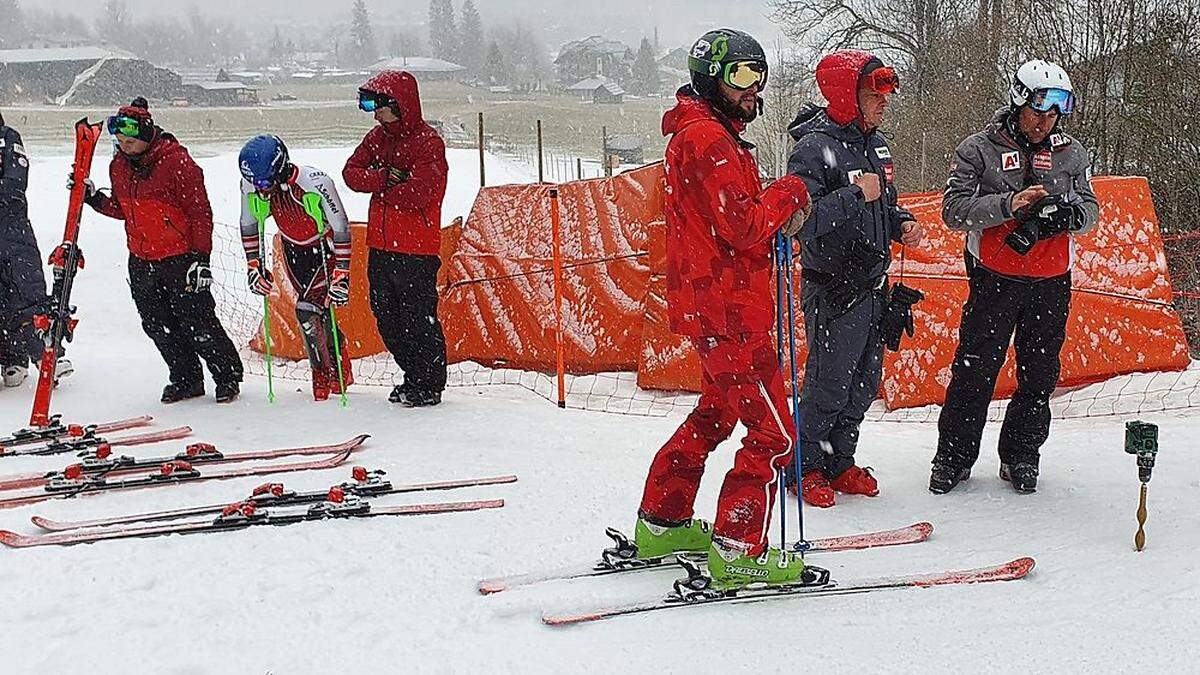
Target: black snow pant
column 841, row 376
column 22, row 286
column 404, row 299
column 183, row 325
column 997, row 307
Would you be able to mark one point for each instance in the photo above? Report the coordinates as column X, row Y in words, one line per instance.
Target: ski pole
column 312, row 205
column 781, row 473
column 801, row 543
column 1141, row 439
column 261, row 208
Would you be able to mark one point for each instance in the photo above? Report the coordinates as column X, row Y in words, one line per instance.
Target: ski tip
column 490, row 586
column 1021, row 566
column 925, row 528
column 551, row 620
column 358, row 440
column 13, row 539
column 45, row 523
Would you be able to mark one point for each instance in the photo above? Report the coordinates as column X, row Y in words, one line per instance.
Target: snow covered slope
column 398, row 595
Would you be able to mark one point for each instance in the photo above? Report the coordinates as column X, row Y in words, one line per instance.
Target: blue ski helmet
column 263, row 161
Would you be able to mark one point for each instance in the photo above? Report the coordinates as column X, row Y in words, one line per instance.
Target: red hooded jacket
column 161, row 197
column 838, row 76
column 720, row 223
column 404, row 217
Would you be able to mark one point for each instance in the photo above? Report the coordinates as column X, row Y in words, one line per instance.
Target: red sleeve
column 362, row 172
column 108, row 204
column 709, row 159
column 193, row 201
column 427, row 183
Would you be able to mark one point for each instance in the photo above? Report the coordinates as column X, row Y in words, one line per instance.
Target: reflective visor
column 1044, row 100
column 882, row 80
column 369, row 101
column 124, row 125
column 746, row 74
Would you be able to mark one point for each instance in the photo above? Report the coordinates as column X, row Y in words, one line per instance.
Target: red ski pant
column 742, row 382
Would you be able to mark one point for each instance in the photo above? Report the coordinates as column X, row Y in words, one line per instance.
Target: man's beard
column 735, row 111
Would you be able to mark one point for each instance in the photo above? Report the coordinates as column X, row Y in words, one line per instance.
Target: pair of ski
column 697, row 588
column 265, row 506
column 59, row 438
column 76, row 480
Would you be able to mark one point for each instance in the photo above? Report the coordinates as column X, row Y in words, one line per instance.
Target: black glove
column 859, row 262
column 199, row 276
column 1054, row 215
column 897, row 316
column 1024, row 237
column 397, row 176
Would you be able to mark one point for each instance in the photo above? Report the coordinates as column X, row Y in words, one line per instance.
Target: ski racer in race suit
column 401, row 163
column 1020, row 190
column 721, row 224
column 158, row 191
column 22, row 281
column 315, row 232
column 845, row 161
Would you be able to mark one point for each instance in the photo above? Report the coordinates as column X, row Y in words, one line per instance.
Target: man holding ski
column 720, row 226
column 847, row 166
column 1020, row 191
column 401, row 163
column 158, row 190
column 22, row 281
column 316, row 249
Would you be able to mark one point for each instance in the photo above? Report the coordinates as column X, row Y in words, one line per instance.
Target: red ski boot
column 856, row 481
column 817, row 491
column 320, row 385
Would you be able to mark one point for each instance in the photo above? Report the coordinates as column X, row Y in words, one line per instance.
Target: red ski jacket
column 720, row 223
column 406, row 216
column 161, row 197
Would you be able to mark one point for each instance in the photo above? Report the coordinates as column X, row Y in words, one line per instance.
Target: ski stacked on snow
column 696, row 590
column 101, row 461
column 91, row 439
column 622, row 557
column 241, row 516
column 365, row 484
column 55, row 429
column 172, row 473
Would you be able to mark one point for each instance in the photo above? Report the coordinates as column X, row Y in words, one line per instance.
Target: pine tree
column 471, row 39
column 276, row 49
column 646, row 79
column 495, row 67
column 443, row 35
column 362, row 40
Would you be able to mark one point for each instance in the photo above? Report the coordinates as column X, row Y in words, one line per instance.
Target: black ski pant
column 841, row 375
column 183, row 325
column 404, row 299
column 22, row 286
column 1031, row 314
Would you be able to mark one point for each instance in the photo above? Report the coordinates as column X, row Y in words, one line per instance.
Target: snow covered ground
column 397, row 595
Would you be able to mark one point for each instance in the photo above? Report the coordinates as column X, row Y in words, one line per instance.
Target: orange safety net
column 498, row 295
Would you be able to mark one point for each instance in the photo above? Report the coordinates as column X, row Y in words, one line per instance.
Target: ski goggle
column 882, row 80
column 1045, row 100
column 124, row 125
column 369, row 101
column 745, row 74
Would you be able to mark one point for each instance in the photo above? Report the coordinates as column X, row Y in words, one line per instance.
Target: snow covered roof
column 61, row 54
column 590, row 84
column 594, row 45
column 417, row 64
column 217, row 86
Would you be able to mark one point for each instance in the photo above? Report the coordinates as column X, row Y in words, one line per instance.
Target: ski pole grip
column 1141, row 439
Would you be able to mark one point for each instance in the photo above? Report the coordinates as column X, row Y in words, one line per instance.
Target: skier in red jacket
column 402, row 164
column 720, row 226
column 158, row 190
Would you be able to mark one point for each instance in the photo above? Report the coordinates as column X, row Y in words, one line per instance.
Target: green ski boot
column 657, row 541
column 730, row 569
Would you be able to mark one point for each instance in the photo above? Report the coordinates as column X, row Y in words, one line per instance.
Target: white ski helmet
column 1040, row 76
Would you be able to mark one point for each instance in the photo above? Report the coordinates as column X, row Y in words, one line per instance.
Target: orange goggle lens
column 883, row 80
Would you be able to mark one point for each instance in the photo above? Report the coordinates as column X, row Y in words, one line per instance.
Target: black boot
column 397, row 394
column 1022, row 476
column 228, row 391
column 181, row 391
column 945, row 478
column 420, row 399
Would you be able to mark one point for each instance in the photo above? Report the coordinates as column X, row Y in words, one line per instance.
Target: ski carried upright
column 171, row 473
column 58, row 325
column 623, row 556
column 55, row 429
column 697, row 590
column 91, row 440
column 364, row 484
column 102, row 462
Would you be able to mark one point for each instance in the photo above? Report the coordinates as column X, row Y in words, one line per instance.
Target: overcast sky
column 678, row 21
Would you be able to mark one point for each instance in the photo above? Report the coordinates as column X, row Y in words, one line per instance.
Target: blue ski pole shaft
column 781, row 475
column 801, row 542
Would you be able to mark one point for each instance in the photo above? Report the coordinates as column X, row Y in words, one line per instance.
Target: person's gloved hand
column 339, row 287
column 199, row 276
column 397, row 176
column 897, row 316
column 1054, row 215
column 794, row 224
column 90, row 194
column 860, row 260
column 258, row 277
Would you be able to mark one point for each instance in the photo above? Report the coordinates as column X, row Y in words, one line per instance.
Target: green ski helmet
column 729, row 56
